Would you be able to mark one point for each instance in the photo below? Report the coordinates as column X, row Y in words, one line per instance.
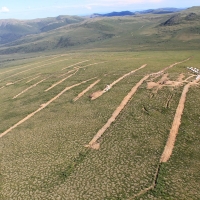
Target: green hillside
column 139, row 32
column 11, row 30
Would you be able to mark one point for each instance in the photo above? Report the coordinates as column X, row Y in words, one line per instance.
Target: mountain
column 127, row 13
column 113, row 14
column 130, row 33
column 11, row 29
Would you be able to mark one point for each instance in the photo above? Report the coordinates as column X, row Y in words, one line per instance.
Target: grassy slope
column 44, row 158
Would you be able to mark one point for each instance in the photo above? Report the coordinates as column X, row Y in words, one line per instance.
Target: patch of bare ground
column 59, row 82
column 29, row 88
column 75, row 64
column 97, row 94
column 42, row 107
column 180, row 78
column 86, row 90
column 93, row 143
column 176, row 123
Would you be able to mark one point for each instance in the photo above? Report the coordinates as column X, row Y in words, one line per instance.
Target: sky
column 24, row 9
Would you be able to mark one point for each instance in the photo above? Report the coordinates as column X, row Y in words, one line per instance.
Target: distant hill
column 135, row 32
column 128, row 13
column 11, row 29
column 113, row 14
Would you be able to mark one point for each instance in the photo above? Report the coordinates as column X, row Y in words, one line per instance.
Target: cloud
column 4, row 10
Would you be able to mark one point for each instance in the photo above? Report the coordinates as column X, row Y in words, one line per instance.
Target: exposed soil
column 115, row 113
column 176, row 123
column 57, row 83
column 33, row 79
column 86, row 90
column 67, row 73
column 157, row 74
column 180, row 78
column 41, row 107
column 30, row 65
column 89, row 65
column 75, row 64
column 97, row 94
column 29, row 88
column 33, row 68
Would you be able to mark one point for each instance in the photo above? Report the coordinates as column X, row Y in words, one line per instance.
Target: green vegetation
column 45, row 156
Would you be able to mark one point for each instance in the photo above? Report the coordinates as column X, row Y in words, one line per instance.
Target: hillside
column 137, row 32
column 12, row 29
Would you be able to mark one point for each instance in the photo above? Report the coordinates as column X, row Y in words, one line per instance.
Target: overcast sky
column 24, row 9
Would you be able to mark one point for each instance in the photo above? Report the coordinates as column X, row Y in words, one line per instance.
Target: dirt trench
column 33, row 79
column 93, row 143
column 33, row 68
column 176, row 123
column 42, row 107
column 86, row 90
column 97, row 94
column 29, row 88
column 59, row 82
column 75, row 64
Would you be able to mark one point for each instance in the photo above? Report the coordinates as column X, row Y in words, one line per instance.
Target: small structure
column 107, row 88
column 198, row 77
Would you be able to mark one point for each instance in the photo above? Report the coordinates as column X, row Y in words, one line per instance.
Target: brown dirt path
column 29, row 88
column 33, row 68
column 42, row 107
column 57, row 83
column 33, row 78
column 97, row 94
column 93, row 142
column 89, row 65
column 30, row 64
column 75, row 64
column 67, row 73
column 176, row 123
column 157, row 74
column 86, row 90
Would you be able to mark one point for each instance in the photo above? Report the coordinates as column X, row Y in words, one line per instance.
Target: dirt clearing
column 93, row 143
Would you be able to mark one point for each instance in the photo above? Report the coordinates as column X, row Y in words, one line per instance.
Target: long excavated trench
column 42, row 107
